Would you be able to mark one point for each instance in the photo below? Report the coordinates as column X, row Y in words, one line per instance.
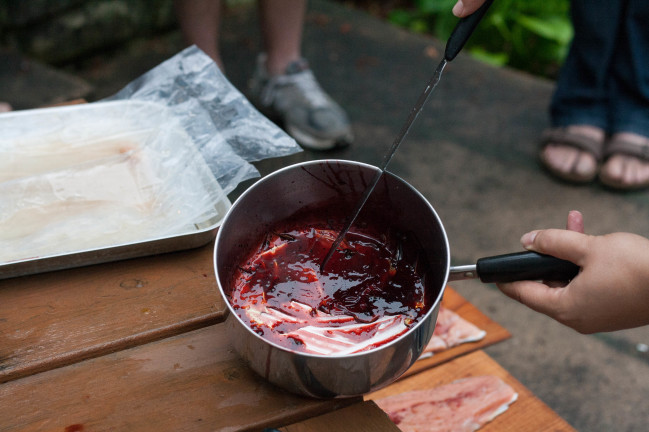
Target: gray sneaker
column 296, row 100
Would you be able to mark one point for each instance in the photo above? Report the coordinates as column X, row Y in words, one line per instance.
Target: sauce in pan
column 371, row 292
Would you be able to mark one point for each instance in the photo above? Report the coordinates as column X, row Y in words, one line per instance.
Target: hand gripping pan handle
column 463, row 30
column 516, row 267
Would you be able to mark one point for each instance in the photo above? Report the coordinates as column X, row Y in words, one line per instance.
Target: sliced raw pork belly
column 340, row 340
column 451, row 330
column 464, row 405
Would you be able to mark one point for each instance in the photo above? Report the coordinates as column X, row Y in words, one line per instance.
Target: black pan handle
column 463, row 30
column 524, row 266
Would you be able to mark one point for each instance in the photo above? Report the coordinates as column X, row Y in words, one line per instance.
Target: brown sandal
column 564, row 136
column 623, row 146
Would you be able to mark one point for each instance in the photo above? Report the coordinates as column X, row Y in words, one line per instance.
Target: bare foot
column 570, row 162
column 4, row 107
column 623, row 170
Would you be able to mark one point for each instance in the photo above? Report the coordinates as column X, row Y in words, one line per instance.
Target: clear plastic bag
column 222, row 123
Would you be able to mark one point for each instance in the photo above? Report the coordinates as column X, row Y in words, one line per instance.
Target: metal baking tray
column 82, row 258
column 43, row 124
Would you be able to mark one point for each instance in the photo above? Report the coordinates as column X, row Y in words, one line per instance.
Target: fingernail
column 528, row 239
column 458, row 8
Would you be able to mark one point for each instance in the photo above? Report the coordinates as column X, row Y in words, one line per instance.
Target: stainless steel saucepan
column 280, row 195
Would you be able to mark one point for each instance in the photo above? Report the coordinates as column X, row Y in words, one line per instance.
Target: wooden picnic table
column 140, row 345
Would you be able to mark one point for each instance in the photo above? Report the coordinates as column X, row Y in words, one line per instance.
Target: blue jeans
column 604, row 81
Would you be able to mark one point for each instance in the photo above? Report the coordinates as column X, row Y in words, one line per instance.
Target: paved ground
column 472, row 154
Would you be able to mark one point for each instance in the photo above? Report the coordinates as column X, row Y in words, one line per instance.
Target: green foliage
column 532, row 35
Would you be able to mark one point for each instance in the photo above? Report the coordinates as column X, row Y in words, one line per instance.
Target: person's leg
column 582, row 92
column 579, row 103
column 200, row 25
column 628, row 164
column 281, row 28
column 284, row 87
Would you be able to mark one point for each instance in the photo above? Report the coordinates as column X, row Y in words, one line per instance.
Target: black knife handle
column 463, row 30
column 524, row 266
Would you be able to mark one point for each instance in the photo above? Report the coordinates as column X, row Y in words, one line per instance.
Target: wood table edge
column 9, row 373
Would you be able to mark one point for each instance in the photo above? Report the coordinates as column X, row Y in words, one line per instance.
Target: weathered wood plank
column 190, row 382
column 58, row 318
column 360, row 417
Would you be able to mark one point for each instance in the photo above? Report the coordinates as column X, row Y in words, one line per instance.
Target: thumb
column 564, row 244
